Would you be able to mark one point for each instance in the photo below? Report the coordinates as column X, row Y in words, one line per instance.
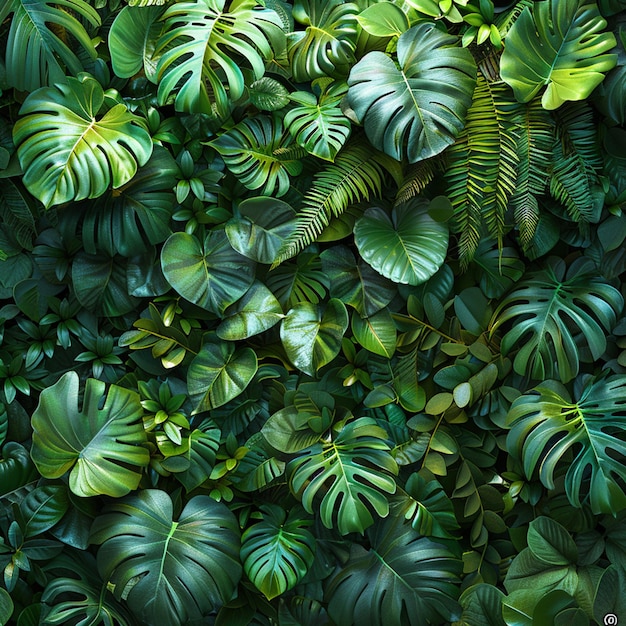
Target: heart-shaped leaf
column 101, row 447
column 407, row 247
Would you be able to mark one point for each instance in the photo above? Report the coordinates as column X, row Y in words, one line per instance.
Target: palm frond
column 536, row 135
column 483, row 167
column 358, row 173
column 576, row 162
column 418, row 176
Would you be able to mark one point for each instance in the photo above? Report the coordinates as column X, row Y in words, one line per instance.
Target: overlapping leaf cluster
column 312, row 312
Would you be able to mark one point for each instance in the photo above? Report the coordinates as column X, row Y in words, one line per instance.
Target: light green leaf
column 544, row 427
column 311, row 334
column 210, row 274
column 102, row 448
column 261, row 227
column 383, row 20
column 202, row 44
column 277, row 551
column 288, row 430
column 376, row 333
column 559, row 45
column 257, row 311
column 267, row 94
column 168, row 571
column 417, row 109
column 203, row 445
column 350, row 475
column 219, row 373
column 35, row 55
column 407, row 247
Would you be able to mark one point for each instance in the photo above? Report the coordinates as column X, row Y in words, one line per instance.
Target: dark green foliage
column 312, row 312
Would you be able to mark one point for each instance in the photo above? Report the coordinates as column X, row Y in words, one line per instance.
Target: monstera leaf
column 560, row 45
column 553, row 316
column 210, row 274
column 252, row 151
column 38, row 52
column 326, row 47
column 277, row 551
column 311, row 334
column 202, row 42
column 407, row 247
column 350, row 474
column 403, row 578
column 67, row 152
column 319, row 125
column 170, row 571
column 101, row 443
column 417, row 109
column 546, row 427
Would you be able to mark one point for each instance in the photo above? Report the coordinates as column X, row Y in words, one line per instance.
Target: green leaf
column 211, row 275
column 311, row 334
column 417, row 109
column 407, row 247
column 545, row 308
column 356, row 284
column 500, row 269
column 69, row 153
column 256, row 151
column 267, row 94
column 472, row 309
column 482, row 604
column 101, row 447
column 203, row 445
column 16, row 467
column 609, row 599
column 202, row 43
column 6, row 606
column 402, row 578
column 42, row 508
column 559, row 45
column 550, row 542
column 320, row 127
column 383, row 20
column 35, row 55
column 288, row 430
column 132, row 41
column 301, row 280
column 376, row 333
column 326, row 46
column 544, row 426
column 277, row 551
column 260, row 228
column 255, row 312
column 219, row 373
column 168, row 571
column 350, row 474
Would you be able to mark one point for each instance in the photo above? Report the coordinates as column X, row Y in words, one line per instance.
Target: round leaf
column 211, row 275
column 376, row 333
column 408, row 247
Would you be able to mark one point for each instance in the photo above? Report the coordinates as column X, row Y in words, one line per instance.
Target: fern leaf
column 418, row 177
column 358, row 173
column 576, row 162
column 483, row 167
column 534, row 147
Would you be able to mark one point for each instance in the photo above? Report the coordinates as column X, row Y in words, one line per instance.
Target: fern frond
column 483, row 167
column 418, row 176
column 536, row 134
column 358, row 173
column 576, row 162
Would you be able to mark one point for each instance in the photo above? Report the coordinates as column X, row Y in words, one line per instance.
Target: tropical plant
column 312, row 312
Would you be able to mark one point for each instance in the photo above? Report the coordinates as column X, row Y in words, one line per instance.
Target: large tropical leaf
column 219, row 373
column 554, row 317
column 254, row 151
column 210, row 274
column 100, row 444
column 417, row 108
column 407, row 247
column 319, row 125
column 559, row 45
column 69, row 153
column 203, row 42
column 482, row 168
column 348, row 477
column 403, row 578
column 170, row 571
column 46, row 40
column 546, row 427
column 311, row 334
column 326, row 46
column 358, row 173
column 277, row 551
